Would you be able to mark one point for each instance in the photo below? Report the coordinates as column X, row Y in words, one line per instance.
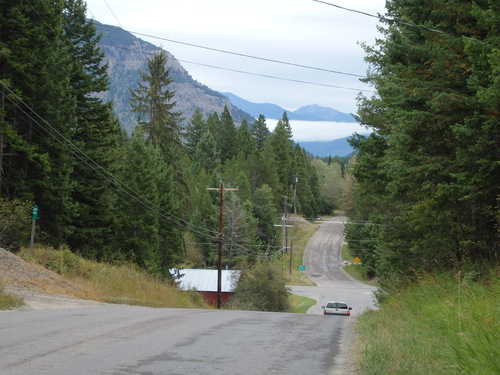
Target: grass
column 354, row 269
column 443, row 325
column 303, row 231
column 8, row 301
column 124, row 283
column 299, row 304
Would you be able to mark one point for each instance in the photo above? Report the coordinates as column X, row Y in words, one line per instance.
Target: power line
column 238, row 53
column 113, row 13
column 101, row 171
column 390, row 20
column 275, row 77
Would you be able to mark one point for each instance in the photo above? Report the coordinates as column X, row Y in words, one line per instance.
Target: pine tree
column 434, row 127
column 35, row 66
column 154, row 104
column 266, row 213
column 195, row 130
column 97, row 134
column 245, row 141
column 226, row 137
column 281, row 146
column 260, row 132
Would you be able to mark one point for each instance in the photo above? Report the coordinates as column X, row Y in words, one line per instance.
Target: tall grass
column 8, row 301
column 443, row 325
column 303, row 231
column 115, row 283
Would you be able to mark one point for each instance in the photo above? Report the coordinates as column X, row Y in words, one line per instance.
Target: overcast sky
column 302, row 32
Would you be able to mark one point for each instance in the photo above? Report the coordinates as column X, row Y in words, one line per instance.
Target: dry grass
column 303, row 231
column 112, row 283
column 8, row 301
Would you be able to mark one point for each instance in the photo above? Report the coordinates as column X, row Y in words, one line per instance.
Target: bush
column 15, row 223
column 262, row 288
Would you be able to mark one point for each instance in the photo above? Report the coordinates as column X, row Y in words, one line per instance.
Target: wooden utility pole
column 284, row 237
column 221, row 238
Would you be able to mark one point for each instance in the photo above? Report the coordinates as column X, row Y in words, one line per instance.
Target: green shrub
column 15, row 222
column 262, row 288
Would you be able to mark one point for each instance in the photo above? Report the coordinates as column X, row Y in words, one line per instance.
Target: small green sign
column 302, row 268
column 35, row 212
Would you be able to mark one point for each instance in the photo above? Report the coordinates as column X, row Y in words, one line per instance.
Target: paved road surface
column 324, row 267
column 119, row 339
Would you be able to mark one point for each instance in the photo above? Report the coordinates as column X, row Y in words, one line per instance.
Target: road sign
column 357, row 260
column 35, row 212
column 302, row 268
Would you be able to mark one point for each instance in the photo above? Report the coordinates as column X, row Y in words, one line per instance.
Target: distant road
column 121, row 339
column 325, row 268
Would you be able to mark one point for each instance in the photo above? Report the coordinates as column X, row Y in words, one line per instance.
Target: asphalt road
column 325, row 268
column 120, row 339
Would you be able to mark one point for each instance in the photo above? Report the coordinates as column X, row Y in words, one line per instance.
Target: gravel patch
column 39, row 287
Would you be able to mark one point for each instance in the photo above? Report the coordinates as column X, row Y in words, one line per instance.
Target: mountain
column 127, row 54
column 312, row 112
column 324, row 113
column 337, row 147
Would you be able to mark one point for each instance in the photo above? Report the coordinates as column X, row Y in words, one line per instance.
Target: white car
column 336, row 308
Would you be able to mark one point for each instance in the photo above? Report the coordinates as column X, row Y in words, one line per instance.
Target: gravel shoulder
column 39, row 287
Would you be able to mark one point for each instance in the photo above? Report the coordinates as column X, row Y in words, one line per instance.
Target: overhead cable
column 238, row 53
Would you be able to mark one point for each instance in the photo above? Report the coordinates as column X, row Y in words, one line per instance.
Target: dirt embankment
column 39, row 287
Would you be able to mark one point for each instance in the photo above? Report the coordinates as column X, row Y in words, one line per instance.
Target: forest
column 422, row 191
column 139, row 198
column 428, row 177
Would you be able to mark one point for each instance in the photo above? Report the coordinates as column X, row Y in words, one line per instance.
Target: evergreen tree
column 245, row 141
column 280, row 142
column 240, row 229
column 206, row 155
column 260, row 132
column 154, row 104
column 436, row 138
column 227, row 140
column 266, row 213
column 137, row 237
column 195, row 130
column 35, row 66
column 97, row 134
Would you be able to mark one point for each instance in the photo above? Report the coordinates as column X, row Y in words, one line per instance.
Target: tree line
column 428, row 177
column 143, row 197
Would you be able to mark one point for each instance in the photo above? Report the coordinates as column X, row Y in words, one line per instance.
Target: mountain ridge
column 311, row 112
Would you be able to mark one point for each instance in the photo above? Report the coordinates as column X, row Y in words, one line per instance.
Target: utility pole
column 284, row 237
column 221, row 238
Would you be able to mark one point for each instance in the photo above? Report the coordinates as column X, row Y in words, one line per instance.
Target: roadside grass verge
column 353, row 269
column 444, row 325
column 303, row 231
column 114, row 283
column 8, row 301
column 299, row 304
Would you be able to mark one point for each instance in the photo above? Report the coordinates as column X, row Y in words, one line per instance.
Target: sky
column 301, row 32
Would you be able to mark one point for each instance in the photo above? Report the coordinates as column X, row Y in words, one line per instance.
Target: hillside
column 127, row 54
column 337, row 147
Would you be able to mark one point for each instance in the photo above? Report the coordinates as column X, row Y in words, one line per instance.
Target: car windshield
column 342, row 306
